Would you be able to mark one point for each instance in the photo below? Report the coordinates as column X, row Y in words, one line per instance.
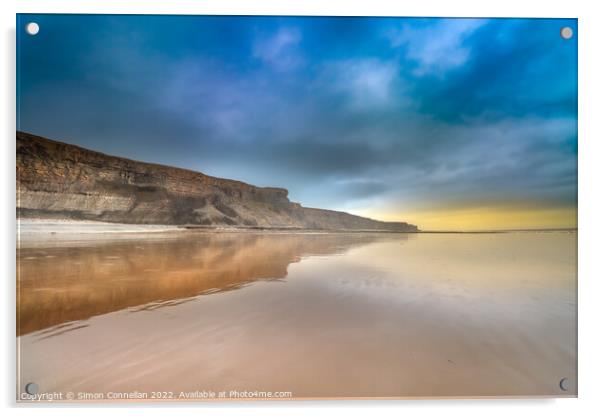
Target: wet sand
column 319, row 315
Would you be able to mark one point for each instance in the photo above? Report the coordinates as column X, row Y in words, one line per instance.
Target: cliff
column 58, row 180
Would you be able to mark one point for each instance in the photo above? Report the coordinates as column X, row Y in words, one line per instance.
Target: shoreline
column 38, row 227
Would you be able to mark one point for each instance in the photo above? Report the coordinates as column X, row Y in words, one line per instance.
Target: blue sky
column 448, row 123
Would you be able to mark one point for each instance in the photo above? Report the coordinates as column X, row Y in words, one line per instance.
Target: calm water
column 317, row 315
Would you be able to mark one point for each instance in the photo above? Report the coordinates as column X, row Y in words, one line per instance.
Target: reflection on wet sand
column 76, row 281
column 331, row 315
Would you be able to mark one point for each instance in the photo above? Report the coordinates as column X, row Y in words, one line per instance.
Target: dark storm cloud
column 516, row 67
column 344, row 112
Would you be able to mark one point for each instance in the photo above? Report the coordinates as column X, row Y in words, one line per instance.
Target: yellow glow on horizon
column 485, row 218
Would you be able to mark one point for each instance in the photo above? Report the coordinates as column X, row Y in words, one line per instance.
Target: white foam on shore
column 41, row 226
column 42, row 232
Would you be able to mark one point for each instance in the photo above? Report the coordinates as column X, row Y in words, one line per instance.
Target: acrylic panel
column 282, row 208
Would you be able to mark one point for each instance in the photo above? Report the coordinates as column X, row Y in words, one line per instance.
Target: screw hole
column 566, row 32
column 31, row 388
column 564, row 384
column 32, row 28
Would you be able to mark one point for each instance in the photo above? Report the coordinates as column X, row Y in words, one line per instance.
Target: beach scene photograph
column 231, row 208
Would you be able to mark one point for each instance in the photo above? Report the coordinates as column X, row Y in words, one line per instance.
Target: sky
column 449, row 124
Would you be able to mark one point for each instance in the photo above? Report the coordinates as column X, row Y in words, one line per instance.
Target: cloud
column 279, row 50
column 438, row 47
column 429, row 123
column 526, row 160
column 366, row 84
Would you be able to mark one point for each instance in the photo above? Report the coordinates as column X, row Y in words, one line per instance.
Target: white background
column 590, row 202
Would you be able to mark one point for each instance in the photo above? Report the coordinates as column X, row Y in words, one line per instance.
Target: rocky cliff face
column 58, row 180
